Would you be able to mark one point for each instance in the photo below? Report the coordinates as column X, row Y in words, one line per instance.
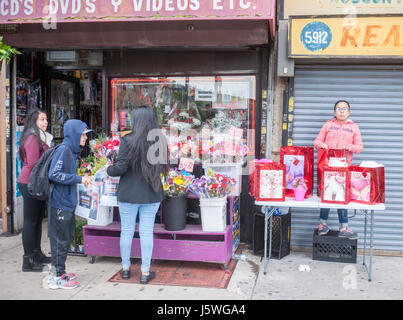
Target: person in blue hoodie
column 63, row 201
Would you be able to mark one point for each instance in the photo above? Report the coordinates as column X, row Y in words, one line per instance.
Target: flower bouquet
column 174, row 206
column 105, row 147
column 212, row 189
column 212, row 185
column 176, row 183
column 90, row 165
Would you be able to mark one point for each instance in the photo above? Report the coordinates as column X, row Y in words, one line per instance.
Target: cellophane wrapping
column 324, row 157
column 367, row 184
column 299, row 163
column 336, row 185
column 270, row 182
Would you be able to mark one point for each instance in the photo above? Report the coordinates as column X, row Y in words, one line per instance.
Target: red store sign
column 37, row 11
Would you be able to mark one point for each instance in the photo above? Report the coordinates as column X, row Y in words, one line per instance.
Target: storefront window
column 207, row 118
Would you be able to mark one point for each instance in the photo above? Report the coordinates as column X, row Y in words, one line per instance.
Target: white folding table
column 315, row 202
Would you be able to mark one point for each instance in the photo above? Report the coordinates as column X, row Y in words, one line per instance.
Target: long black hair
column 30, row 127
column 144, row 120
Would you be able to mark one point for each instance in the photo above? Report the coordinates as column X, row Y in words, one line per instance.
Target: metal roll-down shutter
column 375, row 94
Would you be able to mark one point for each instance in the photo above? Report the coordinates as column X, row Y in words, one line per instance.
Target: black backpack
column 39, row 183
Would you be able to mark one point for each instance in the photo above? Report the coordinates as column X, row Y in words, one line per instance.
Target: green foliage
column 7, row 52
column 80, row 223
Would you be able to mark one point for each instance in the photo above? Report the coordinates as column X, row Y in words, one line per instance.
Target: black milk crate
column 280, row 245
column 332, row 248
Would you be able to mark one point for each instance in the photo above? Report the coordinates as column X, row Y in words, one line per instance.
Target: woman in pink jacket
column 339, row 133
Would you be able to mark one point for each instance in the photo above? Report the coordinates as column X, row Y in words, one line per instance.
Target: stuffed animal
column 334, row 186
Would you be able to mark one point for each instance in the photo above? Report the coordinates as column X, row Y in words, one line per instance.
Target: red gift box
column 335, row 185
column 270, row 182
column 324, row 156
column 367, row 184
column 299, row 163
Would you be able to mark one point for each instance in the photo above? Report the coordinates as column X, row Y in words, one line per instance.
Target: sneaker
column 66, row 276
column 62, row 283
column 323, row 229
column 347, row 233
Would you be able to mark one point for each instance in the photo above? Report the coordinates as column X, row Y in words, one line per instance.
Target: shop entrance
column 65, row 88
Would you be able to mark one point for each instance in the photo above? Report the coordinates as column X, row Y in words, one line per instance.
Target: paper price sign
column 186, row 164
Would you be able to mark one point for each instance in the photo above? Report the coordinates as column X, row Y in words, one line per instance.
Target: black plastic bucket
column 174, row 213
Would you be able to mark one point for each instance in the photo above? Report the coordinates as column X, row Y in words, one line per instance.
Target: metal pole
column 371, row 245
column 3, row 163
column 365, row 236
column 266, row 212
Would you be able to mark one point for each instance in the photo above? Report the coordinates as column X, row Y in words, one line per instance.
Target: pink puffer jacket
column 337, row 136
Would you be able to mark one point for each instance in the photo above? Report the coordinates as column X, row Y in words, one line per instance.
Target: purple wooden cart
column 190, row 244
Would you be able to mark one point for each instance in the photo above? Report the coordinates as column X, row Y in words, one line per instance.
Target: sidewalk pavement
column 295, row 277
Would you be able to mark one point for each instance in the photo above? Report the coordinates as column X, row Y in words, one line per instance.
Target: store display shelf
column 159, row 229
column 190, row 244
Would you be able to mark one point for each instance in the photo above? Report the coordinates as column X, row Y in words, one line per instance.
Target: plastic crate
column 280, row 245
column 332, row 248
column 233, row 170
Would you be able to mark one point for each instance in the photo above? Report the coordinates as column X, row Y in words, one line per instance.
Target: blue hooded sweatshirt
column 64, row 195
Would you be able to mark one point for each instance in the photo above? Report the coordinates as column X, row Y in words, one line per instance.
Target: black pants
column 34, row 211
column 60, row 232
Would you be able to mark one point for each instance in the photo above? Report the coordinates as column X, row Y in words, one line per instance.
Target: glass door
column 63, row 103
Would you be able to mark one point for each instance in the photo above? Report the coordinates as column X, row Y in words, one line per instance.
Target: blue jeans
column 343, row 214
column 128, row 214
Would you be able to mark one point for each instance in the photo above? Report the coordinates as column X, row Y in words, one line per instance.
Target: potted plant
column 175, row 185
column 78, row 240
column 300, row 187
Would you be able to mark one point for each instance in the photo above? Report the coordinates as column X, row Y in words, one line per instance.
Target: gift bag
column 326, row 156
column 108, row 188
column 252, row 169
column 87, row 201
column 270, row 181
column 299, row 164
column 335, row 185
column 367, row 184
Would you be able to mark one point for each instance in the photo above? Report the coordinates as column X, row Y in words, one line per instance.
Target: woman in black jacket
column 140, row 187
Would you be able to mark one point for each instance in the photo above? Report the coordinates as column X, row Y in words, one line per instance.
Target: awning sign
column 345, row 7
column 18, row 11
column 369, row 36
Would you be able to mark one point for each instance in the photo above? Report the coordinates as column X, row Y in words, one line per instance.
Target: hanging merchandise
column 28, row 96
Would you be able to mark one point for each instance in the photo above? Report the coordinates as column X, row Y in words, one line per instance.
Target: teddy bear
column 334, row 186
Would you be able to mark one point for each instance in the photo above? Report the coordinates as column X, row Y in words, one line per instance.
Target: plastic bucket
column 213, row 214
column 174, row 213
